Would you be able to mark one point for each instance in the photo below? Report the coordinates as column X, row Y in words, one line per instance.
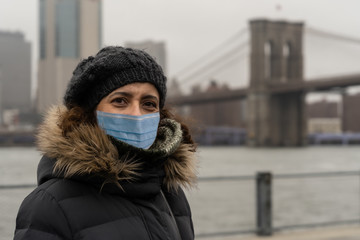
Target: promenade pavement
column 328, row 233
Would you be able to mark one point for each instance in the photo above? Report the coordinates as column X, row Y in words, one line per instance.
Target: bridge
column 276, row 93
column 313, row 85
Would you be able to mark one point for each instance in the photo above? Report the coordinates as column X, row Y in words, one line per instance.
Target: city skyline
column 15, row 71
column 191, row 29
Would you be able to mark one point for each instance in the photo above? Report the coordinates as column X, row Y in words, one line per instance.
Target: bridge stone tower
column 276, row 59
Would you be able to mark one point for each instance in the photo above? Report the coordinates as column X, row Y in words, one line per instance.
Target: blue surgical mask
column 138, row 131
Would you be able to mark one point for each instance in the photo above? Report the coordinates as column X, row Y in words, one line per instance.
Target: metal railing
column 322, row 175
column 225, row 179
column 264, row 197
column 17, row 186
column 264, row 182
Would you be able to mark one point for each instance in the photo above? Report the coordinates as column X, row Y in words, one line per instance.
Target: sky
column 192, row 28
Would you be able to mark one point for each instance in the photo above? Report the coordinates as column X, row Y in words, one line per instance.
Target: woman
column 115, row 160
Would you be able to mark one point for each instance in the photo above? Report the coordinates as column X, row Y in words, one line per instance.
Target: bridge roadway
column 351, row 232
column 311, row 85
column 315, row 85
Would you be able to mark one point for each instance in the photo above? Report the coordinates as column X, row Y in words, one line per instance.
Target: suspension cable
column 212, row 52
column 335, row 36
column 216, row 61
column 220, row 68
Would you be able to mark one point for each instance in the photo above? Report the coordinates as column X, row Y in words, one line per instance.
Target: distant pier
column 17, row 138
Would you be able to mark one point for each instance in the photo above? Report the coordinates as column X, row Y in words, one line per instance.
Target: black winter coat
column 93, row 187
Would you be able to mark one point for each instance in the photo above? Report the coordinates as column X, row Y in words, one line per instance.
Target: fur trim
column 180, row 168
column 85, row 150
column 88, row 150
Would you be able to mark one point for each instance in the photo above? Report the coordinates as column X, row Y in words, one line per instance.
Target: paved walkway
column 329, row 233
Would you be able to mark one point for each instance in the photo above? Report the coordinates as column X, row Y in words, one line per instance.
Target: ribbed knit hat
column 111, row 68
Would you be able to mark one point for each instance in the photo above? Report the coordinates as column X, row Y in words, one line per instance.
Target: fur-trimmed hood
column 88, row 151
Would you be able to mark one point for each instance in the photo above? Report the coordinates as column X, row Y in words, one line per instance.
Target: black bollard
column 264, row 203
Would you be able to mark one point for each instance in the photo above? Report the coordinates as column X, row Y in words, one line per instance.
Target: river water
column 231, row 205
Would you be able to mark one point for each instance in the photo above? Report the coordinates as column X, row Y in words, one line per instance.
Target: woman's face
column 133, row 99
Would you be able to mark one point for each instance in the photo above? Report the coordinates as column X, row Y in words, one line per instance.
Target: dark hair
column 74, row 117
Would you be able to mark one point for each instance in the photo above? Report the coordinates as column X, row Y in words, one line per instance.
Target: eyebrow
column 121, row 93
column 150, row 97
column 127, row 94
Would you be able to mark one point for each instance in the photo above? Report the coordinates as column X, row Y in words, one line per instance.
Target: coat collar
column 88, row 151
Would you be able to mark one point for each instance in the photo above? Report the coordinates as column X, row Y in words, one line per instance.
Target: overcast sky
column 192, row 28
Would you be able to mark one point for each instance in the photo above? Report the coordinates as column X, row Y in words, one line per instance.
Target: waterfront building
column 230, row 113
column 15, row 73
column 351, row 113
column 70, row 30
column 323, row 117
column 324, row 125
column 155, row 49
column 323, row 109
column 174, row 89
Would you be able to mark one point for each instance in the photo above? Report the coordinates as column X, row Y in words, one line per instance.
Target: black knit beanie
column 111, row 68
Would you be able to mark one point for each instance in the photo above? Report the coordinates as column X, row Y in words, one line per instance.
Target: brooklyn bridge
column 276, row 93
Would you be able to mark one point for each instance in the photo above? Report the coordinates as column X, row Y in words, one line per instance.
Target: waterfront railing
column 267, row 203
column 282, row 202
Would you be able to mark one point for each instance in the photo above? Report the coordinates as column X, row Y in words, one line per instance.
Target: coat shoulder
column 36, row 219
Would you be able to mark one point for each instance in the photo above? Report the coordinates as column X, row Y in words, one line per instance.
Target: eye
column 150, row 105
column 119, row 101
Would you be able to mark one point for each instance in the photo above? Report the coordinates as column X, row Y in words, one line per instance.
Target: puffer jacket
column 94, row 187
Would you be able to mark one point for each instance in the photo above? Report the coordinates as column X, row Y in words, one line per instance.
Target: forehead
column 138, row 88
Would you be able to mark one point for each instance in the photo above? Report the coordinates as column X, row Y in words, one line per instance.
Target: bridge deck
column 320, row 84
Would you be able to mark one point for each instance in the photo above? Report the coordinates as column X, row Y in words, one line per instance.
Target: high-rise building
column 15, row 72
column 69, row 31
column 155, row 49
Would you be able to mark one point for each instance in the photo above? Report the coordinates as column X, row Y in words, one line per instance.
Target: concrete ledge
column 328, row 233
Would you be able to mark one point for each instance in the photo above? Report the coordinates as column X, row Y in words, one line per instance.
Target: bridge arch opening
column 287, row 56
column 268, row 57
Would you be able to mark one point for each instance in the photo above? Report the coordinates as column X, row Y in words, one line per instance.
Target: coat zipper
column 172, row 215
column 145, row 224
